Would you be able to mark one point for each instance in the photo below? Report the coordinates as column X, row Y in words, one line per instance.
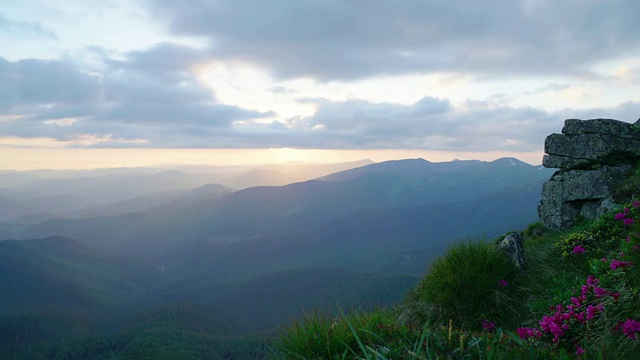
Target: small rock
column 513, row 246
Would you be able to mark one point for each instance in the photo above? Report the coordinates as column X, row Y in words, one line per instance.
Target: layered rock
column 593, row 158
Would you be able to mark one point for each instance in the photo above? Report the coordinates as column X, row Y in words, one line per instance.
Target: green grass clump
column 472, row 282
column 320, row 336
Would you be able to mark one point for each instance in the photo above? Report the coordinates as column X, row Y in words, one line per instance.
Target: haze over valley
column 128, row 247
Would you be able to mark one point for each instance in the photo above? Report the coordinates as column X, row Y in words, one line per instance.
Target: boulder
column 513, row 246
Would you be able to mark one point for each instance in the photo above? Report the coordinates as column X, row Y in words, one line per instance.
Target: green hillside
column 577, row 298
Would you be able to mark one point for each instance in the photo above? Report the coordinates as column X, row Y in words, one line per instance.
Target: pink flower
column 630, row 327
column 628, row 222
column 619, row 216
column 578, row 250
column 580, row 351
column 592, row 311
column 600, row 292
column 615, row 264
column 576, row 302
column 488, row 325
column 591, row 280
column 636, row 204
column 503, row 282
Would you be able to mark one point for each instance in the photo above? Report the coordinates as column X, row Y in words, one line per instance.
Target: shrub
column 597, row 238
column 472, row 282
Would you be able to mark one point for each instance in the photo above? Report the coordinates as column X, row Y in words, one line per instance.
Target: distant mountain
column 114, row 187
column 14, row 206
column 279, row 175
column 399, row 240
column 260, row 212
column 154, row 201
column 58, row 271
column 111, row 192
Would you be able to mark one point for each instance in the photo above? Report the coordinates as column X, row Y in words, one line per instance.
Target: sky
column 139, row 82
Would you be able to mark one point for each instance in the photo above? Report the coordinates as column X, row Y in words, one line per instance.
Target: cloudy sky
column 102, row 83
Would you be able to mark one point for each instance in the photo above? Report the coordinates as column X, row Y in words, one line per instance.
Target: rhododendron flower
column 579, row 317
column 578, row 250
column 628, row 222
column 592, row 311
column 636, row 204
column 503, row 282
column 488, row 325
column 619, row 216
column 584, row 290
column 580, row 351
column 615, row 264
column 630, row 327
column 576, row 302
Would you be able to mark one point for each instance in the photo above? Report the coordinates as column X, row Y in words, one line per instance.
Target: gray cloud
column 34, row 82
column 478, row 126
column 153, row 88
column 18, row 28
column 350, row 39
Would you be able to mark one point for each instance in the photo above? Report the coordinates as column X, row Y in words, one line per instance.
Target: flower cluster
column 629, row 327
column 564, row 318
column 503, row 282
column 619, row 264
column 528, row 333
column 578, row 250
column 625, row 216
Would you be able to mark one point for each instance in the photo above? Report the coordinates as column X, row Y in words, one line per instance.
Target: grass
column 473, row 282
column 460, row 310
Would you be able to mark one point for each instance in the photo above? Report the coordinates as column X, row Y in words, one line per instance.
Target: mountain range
column 174, row 246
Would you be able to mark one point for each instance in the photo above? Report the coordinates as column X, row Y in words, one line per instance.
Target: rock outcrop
column 593, row 158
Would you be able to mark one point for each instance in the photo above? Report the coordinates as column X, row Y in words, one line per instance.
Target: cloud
column 40, row 82
column 352, row 39
column 137, row 94
column 21, row 28
column 162, row 96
